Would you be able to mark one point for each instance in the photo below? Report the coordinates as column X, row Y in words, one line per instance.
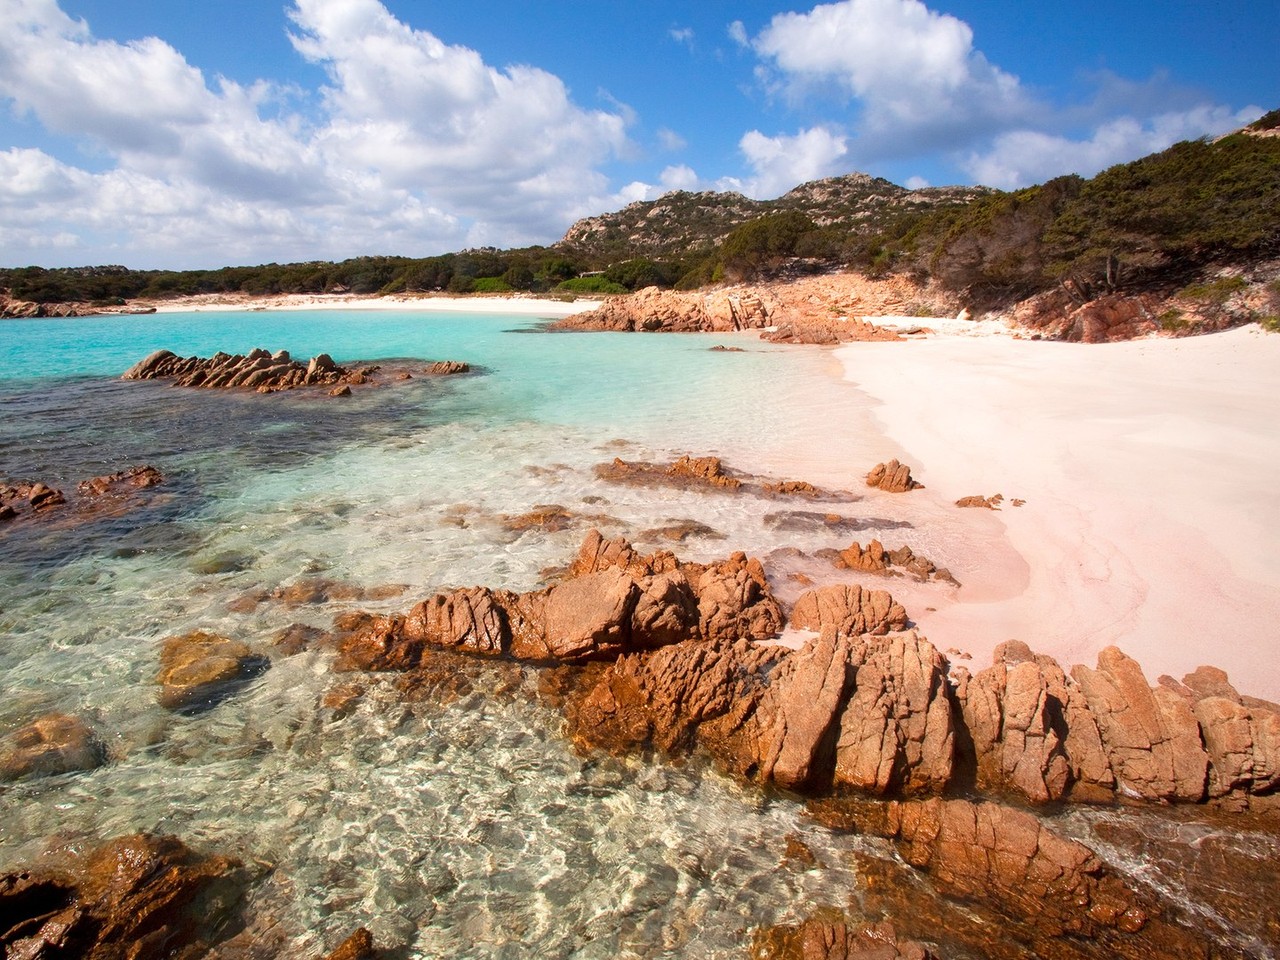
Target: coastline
column 1149, row 520
column 515, row 304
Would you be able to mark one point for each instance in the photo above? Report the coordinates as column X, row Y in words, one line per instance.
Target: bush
column 490, row 285
column 597, row 284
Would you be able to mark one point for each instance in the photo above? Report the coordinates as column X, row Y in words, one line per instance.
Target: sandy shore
column 515, row 304
column 1149, row 470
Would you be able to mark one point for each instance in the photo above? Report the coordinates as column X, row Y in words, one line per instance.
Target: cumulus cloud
column 418, row 145
column 1020, row 158
column 780, row 163
column 682, row 35
column 914, row 73
column 670, row 140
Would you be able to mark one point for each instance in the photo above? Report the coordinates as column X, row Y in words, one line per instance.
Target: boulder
column 53, row 744
column 447, row 368
column 827, row 936
column 258, row 370
column 893, row 477
column 122, row 483
column 850, row 609
column 199, row 670
column 466, row 619
column 137, row 896
column 1149, row 746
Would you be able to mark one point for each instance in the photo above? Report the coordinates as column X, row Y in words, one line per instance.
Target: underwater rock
column 138, row 896
column 199, row 670
column 53, row 744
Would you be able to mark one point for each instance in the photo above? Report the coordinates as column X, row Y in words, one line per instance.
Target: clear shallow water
column 453, row 827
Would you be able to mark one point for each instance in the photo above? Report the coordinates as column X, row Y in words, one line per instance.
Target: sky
column 166, row 134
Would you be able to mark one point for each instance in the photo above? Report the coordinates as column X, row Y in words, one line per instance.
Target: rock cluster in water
column 268, row 372
column 893, row 477
column 867, row 705
column 106, row 495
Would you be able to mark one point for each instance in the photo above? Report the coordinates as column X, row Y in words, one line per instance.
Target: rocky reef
column 107, row 495
column 268, row 372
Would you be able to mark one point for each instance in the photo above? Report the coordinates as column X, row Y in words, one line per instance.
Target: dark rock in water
column 53, row 744
column 358, row 946
column 447, row 368
column 139, row 897
column 199, row 670
column 828, row 935
column 28, row 497
column 1023, row 887
column 134, row 478
column 257, row 370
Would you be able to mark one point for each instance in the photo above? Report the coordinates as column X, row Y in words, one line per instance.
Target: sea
column 464, row 825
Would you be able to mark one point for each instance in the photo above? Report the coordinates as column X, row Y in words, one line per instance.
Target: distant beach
column 512, row 304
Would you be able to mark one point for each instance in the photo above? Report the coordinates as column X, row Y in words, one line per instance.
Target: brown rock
column 447, row 368
column 990, row 503
column 53, row 744
column 358, row 946
column 734, row 599
column 138, row 897
column 893, row 477
column 589, row 617
column 830, row 936
column 200, row 669
column 117, row 484
column 849, row 609
column 466, row 619
column 1017, row 727
column 342, row 391
column 258, row 370
column 1150, row 754
column 896, row 733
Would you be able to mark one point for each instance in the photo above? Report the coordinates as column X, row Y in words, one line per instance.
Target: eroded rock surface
column 49, row 745
column 198, row 670
column 893, row 477
column 138, row 897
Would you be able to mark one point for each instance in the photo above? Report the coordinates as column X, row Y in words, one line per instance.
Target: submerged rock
column 199, row 670
column 138, row 896
column 53, row 744
column 830, row 936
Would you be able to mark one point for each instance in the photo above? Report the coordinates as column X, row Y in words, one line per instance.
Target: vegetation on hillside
column 1162, row 220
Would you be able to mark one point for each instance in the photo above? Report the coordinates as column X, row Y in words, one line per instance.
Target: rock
column 258, row 370
column 42, row 497
column 1017, row 727
column 199, row 670
column 893, row 477
column 849, row 609
column 53, row 744
column 137, row 896
column 829, row 936
column 791, row 488
column 358, row 946
column 447, row 368
column 896, row 733
column 1148, row 748
column 589, row 617
column 466, row 619
column 734, row 599
column 989, row 503
column 685, row 472
column 342, row 391
column 122, row 483
column 874, row 558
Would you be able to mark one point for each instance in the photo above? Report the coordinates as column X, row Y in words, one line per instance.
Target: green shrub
column 1270, row 323
column 1173, row 320
column 490, row 285
column 1212, row 292
column 596, row 284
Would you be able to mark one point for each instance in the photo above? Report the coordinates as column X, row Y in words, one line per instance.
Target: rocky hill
column 680, row 223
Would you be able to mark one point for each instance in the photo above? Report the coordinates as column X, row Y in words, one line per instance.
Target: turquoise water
column 464, row 828
column 460, row 825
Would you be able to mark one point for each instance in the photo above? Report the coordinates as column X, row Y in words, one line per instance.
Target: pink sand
column 1151, row 474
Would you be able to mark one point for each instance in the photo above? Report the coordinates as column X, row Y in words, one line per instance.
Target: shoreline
column 1149, row 521
column 504, row 303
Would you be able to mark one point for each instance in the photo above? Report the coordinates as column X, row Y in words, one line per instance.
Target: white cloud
column 418, row 146
column 914, row 73
column 916, row 183
column 670, row 140
column 682, row 35
column 738, row 33
column 680, row 177
column 1020, row 158
column 780, row 163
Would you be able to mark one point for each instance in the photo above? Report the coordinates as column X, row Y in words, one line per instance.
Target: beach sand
column 515, row 304
column 1150, row 472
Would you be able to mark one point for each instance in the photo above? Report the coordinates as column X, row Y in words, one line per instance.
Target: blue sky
column 162, row 133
